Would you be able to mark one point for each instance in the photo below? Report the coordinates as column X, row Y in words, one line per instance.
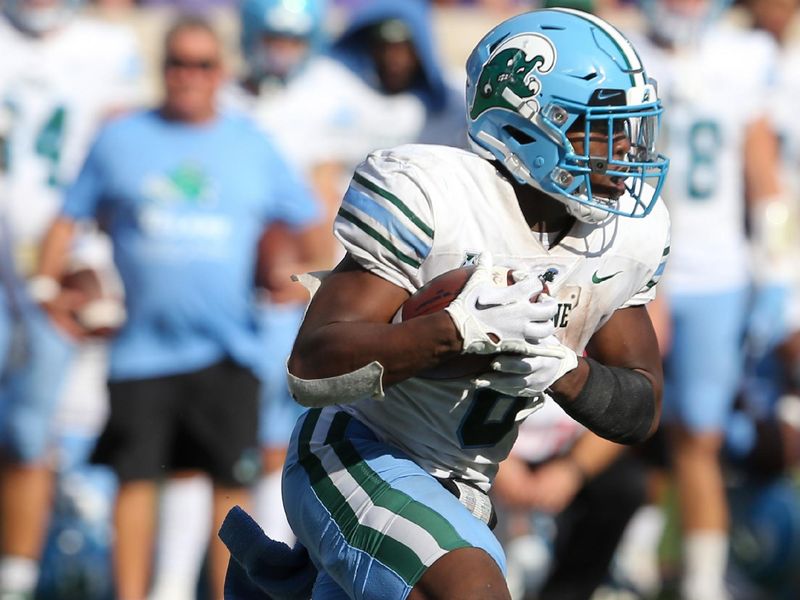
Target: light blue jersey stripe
column 394, row 229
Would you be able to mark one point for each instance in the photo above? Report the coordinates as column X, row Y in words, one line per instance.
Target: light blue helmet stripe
column 635, row 67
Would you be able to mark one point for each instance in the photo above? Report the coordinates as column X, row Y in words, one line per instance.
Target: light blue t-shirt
column 185, row 206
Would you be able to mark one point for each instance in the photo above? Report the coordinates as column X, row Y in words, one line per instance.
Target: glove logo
column 481, row 306
column 507, row 79
column 598, row 279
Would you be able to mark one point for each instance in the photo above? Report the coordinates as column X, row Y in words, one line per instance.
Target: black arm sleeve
column 615, row 403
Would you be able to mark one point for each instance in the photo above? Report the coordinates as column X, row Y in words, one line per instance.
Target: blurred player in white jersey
column 59, row 77
column 384, row 85
column 566, row 496
column 715, row 84
column 386, row 477
column 280, row 40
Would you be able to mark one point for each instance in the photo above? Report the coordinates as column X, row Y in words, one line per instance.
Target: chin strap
column 584, row 212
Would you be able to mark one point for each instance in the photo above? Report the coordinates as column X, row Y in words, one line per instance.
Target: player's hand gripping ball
column 492, row 313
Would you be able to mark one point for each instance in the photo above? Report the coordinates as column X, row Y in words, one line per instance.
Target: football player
column 55, row 87
column 386, row 478
column 723, row 153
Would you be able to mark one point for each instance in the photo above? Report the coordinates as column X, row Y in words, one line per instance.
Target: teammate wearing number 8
column 723, row 152
column 386, row 477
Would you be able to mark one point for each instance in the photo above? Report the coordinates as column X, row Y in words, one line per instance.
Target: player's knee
column 462, row 574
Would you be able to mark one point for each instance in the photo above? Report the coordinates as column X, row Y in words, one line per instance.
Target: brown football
column 435, row 296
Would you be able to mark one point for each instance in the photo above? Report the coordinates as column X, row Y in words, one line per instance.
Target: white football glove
column 529, row 376
column 493, row 317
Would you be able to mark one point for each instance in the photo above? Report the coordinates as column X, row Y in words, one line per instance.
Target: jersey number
column 704, row 142
column 50, row 140
column 480, row 428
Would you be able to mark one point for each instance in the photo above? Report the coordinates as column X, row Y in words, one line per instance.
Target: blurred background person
column 564, row 497
column 55, row 88
column 778, row 18
column 763, row 441
column 279, row 39
column 185, row 192
column 723, row 154
column 385, row 86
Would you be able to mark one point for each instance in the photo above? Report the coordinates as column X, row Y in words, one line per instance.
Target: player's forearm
column 55, row 248
column 761, row 160
column 619, row 404
column 403, row 349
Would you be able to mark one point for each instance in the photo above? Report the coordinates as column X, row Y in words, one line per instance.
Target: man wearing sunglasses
column 185, row 192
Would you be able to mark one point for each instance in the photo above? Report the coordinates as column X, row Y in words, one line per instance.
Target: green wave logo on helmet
column 508, row 78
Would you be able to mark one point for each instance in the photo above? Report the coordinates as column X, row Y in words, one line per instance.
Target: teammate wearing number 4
column 386, row 476
column 55, row 88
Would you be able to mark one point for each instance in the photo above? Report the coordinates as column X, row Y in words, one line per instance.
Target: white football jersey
column 56, row 89
column 286, row 116
column 710, row 96
column 416, row 211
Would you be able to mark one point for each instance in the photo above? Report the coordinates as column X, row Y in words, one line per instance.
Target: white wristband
column 43, row 288
column 365, row 382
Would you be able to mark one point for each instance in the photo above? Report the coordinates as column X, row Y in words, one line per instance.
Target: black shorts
column 204, row 420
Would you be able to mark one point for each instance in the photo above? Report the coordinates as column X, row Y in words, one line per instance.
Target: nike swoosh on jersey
column 597, row 279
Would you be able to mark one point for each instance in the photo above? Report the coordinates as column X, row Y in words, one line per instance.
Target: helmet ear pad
column 524, row 140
